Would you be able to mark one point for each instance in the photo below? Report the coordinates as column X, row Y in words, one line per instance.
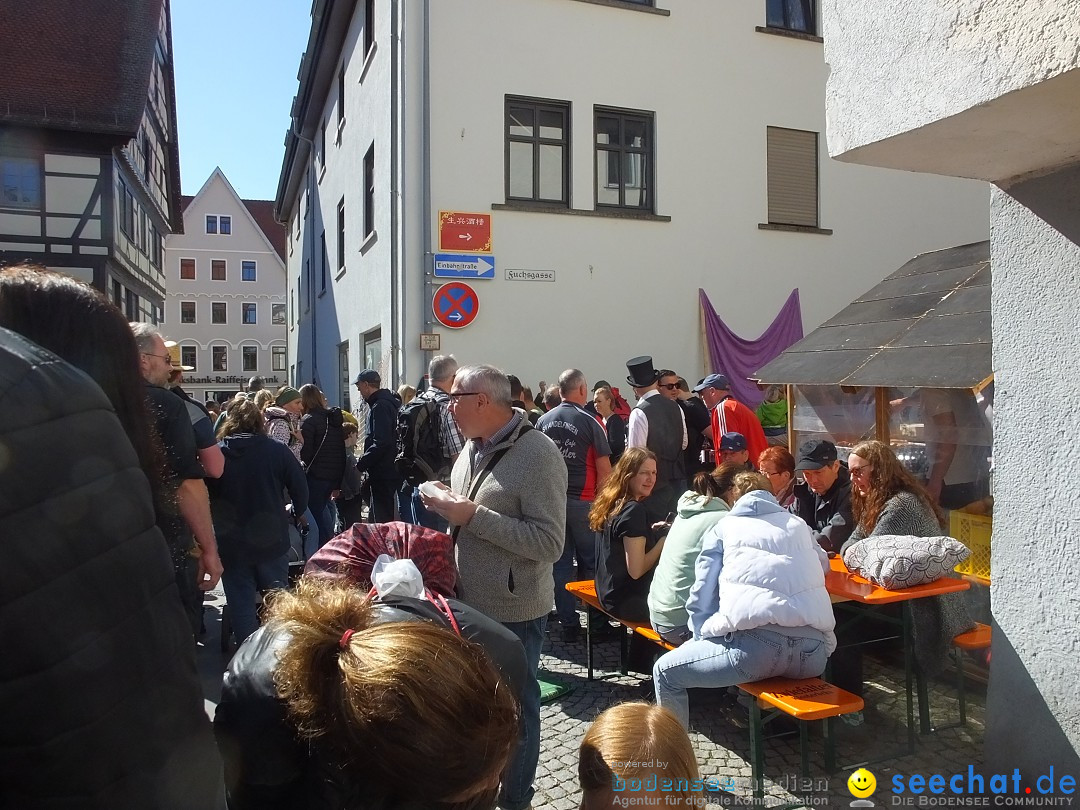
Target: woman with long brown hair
column 628, row 547
column 341, row 702
column 886, row 498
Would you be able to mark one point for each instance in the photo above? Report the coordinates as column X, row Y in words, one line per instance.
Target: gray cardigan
column 505, row 552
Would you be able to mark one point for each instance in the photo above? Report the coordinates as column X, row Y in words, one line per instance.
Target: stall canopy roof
column 926, row 325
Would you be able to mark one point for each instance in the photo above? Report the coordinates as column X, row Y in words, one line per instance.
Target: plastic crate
column 974, row 532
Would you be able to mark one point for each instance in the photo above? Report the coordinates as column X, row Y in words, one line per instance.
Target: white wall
column 629, row 287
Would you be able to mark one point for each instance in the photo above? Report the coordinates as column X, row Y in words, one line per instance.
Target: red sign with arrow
column 461, row 232
column 455, row 305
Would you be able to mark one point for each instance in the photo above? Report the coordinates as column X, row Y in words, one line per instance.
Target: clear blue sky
column 236, row 64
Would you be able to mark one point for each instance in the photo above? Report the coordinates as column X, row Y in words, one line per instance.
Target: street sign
column 457, row 265
column 455, row 305
column 461, row 231
column 530, row 275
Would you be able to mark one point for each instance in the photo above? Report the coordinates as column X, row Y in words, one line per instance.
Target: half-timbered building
column 89, row 162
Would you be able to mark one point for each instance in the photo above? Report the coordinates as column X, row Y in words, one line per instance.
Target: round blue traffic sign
column 455, row 305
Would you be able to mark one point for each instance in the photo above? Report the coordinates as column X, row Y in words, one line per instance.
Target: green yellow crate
column 974, row 532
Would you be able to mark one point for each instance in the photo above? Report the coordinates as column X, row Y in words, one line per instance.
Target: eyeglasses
column 669, row 386
column 770, row 474
column 860, row 471
column 159, row 356
column 456, row 395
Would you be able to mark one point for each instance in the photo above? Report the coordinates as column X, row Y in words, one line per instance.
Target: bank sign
column 225, row 380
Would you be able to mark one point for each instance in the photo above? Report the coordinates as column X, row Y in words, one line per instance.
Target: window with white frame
column 225, row 225
column 187, row 269
column 277, row 314
column 187, row 312
column 247, row 270
column 277, row 357
column 250, row 357
column 187, row 357
column 220, row 357
column 248, row 313
column 219, row 312
column 211, row 223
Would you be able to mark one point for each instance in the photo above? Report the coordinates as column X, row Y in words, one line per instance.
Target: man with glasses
column 657, row 423
column 697, row 419
column 506, row 506
column 197, row 567
column 823, row 498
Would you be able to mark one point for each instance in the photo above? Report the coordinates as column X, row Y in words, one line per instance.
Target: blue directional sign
column 457, row 265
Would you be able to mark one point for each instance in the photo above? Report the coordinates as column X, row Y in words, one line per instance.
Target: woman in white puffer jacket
column 758, row 608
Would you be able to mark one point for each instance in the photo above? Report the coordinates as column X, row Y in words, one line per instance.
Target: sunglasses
column 669, row 386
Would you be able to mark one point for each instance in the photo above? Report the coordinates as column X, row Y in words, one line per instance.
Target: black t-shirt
column 620, row 594
column 174, row 427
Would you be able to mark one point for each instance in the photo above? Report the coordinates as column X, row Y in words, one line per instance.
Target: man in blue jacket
column 380, row 445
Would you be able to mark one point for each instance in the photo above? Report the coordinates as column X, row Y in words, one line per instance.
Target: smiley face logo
column 861, row 783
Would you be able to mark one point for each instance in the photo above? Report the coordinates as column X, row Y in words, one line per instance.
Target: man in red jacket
column 731, row 416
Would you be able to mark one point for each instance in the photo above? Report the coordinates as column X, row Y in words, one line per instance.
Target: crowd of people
column 687, row 510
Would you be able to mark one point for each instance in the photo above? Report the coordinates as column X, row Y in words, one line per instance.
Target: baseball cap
column 733, row 441
column 815, row 454
column 369, row 376
column 718, row 381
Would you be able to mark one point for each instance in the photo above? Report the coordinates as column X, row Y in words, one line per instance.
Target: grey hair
column 552, row 397
column 442, row 367
column 486, row 379
column 570, row 380
column 145, row 335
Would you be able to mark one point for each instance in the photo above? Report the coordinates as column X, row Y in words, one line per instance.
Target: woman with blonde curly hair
column 341, row 702
column 638, row 751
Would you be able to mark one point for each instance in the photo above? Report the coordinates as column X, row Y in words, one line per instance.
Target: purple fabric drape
column 739, row 358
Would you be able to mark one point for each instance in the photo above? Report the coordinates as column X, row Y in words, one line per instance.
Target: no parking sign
column 455, row 305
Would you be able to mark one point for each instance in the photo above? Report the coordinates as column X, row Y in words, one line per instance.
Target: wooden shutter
column 793, row 177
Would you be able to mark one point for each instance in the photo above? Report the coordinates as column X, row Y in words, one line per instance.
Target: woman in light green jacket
column 699, row 510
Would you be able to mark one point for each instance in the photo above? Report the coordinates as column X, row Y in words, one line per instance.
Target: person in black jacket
column 331, row 704
column 100, row 697
column 249, row 512
column 323, row 455
column 380, row 445
column 823, row 498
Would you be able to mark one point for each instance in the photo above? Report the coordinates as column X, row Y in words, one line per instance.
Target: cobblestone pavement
column 720, row 732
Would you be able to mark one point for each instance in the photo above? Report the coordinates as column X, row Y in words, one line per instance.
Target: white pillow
column 896, row 561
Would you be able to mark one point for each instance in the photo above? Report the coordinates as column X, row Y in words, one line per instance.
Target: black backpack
column 419, row 453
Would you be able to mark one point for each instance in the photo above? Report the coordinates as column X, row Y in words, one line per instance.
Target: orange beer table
column 844, row 586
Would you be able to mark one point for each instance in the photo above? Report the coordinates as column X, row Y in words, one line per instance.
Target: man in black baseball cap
column 823, row 497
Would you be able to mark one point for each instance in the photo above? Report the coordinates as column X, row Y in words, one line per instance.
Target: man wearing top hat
column 731, row 416
column 658, row 424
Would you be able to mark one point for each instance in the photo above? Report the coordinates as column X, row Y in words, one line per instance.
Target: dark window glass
column 218, row 312
column 211, row 223
column 220, row 358
column 369, row 191
column 226, row 225
column 250, row 358
column 277, row 355
column 369, row 26
column 187, row 269
column 794, row 15
column 217, row 269
column 20, row 183
column 187, row 312
column 187, row 357
column 340, row 234
column 247, row 271
column 249, row 313
column 624, row 159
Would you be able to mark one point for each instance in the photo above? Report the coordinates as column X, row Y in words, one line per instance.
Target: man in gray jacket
column 509, row 531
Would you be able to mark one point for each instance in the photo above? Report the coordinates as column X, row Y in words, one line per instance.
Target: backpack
column 419, row 452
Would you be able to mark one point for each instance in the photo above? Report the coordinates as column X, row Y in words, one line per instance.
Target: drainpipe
column 425, row 214
column 397, row 252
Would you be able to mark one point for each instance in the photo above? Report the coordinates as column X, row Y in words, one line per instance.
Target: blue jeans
column 580, row 542
column 318, row 500
column 739, row 657
column 517, row 779
column 413, row 511
column 242, row 581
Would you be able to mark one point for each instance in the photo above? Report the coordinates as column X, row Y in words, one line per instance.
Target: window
column 792, row 177
column 624, row 159
column 155, row 247
column 373, row 349
column 369, row 191
column 247, row 271
column 187, row 357
column 20, row 183
column 537, row 150
column 249, row 313
column 211, row 223
column 277, row 358
column 187, row 269
column 117, row 293
column 277, row 315
column 341, row 96
column 226, row 225
column 345, row 382
column 217, row 269
column 131, row 306
column 187, row 312
column 793, row 15
column 369, row 26
column 126, row 202
column 341, row 233
column 325, row 263
column 220, row 356
column 322, row 145
column 219, row 312
column 250, row 357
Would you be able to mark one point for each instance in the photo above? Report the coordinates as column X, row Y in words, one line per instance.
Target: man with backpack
column 379, row 445
column 428, row 441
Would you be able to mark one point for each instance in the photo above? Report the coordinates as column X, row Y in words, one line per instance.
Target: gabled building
column 585, row 167
column 89, row 163
column 225, row 299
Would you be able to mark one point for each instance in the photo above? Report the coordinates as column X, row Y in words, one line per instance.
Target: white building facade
column 225, row 300
column 990, row 90
column 623, row 154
